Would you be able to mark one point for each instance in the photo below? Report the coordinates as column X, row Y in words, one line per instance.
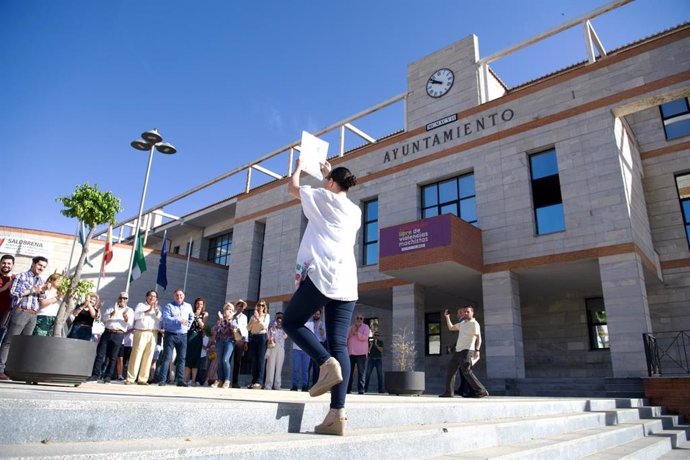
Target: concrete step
column 557, row 387
column 571, row 445
column 415, row 441
column 653, row 446
column 105, row 412
column 118, row 421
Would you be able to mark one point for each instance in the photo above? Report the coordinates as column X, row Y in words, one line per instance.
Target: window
column 432, row 322
column 596, row 324
column 683, row 185
column 370, row 255
column 219, row 249
column 454, row 196
column 546, row 192
column 676, row 118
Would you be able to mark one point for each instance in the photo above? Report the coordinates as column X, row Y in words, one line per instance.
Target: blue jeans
column 176, row 342
column 300, row 369
column 306, row 300
column 358, row 361
column 224, row 354
column 374, row 363
column 258, row 344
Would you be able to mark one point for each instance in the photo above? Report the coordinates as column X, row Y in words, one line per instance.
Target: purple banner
column 422, row 234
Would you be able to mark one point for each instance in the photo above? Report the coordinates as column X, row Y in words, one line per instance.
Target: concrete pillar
column 408, row 312
column 502, row 337
column 244, row 271
column 627, row 312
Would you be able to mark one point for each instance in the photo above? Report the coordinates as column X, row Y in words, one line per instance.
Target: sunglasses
column 123, row 298
column 360, row 317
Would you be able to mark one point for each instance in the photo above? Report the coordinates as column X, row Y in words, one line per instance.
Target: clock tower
column 443, row 83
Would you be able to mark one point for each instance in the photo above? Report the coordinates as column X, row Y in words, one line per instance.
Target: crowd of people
column 175, row 343
column 180, row 344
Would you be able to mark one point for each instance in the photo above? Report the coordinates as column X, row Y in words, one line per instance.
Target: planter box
column 50, row 359
column 404, row 383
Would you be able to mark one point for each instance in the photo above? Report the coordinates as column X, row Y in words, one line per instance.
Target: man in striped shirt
column 27, row 289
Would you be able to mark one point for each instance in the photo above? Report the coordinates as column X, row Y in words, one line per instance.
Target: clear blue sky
column 227, row 82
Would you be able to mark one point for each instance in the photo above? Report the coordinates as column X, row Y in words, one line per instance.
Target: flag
column 162, row 279
column 138, row 264
column 82, row 240
column 108, row 251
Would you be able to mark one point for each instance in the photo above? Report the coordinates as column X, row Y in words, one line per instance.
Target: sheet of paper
column 313, row 153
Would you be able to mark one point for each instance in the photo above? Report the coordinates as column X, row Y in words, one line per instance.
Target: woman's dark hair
column 203, row 304
column 343, row 177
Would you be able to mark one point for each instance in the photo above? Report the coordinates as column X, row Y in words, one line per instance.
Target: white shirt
column 467, row 335
column 116, row 321
column 242, row 325
column 52, row 309
column 146, row 318
column 326, row 252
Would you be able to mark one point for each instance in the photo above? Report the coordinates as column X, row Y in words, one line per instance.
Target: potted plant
column 405, row 380
column 59, row 359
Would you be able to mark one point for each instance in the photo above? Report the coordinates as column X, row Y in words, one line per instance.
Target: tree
column 93, row 207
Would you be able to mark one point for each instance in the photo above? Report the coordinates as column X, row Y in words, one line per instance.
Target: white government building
column 559, row 209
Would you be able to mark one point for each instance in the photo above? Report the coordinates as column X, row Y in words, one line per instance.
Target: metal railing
column 155, row 216
column 667, row 353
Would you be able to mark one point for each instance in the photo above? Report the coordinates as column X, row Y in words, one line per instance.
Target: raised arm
column 449, row 323
column 293, row 185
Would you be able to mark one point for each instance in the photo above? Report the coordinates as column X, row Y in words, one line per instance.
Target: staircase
column 97, row 421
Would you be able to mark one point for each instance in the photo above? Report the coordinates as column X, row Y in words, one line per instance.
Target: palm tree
column 92, row 207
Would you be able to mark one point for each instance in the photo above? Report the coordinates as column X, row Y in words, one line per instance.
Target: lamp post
column 149, row 141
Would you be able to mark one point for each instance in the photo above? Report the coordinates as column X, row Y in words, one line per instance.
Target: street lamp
column 149, row 140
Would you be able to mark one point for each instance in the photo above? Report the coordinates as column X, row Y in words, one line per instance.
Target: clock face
column 440, row 82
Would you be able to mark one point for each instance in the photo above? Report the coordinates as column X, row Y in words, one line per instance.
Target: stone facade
column 623, row 240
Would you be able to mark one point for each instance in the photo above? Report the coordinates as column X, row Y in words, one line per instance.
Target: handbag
column 212, row 355
column 238, row 335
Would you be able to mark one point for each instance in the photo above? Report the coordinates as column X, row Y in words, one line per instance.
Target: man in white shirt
column 147, row 317
column 467, row 347
column 118, row 319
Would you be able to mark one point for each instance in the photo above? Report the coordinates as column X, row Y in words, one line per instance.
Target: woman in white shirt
column 258, row 342
column 49, row 305
column 326, row 277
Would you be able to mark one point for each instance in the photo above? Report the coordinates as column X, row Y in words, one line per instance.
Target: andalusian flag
column 138, row 264
column 108, row 251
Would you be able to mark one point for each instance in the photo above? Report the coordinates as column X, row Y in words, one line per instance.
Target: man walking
column 467, row 347
column 6, row 278
column 177, row 317
column 26, row 289
column 118, row 319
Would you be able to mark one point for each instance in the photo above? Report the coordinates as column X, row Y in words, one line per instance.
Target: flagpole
column 71, row 254
column 141, row 210
column 186, row 268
